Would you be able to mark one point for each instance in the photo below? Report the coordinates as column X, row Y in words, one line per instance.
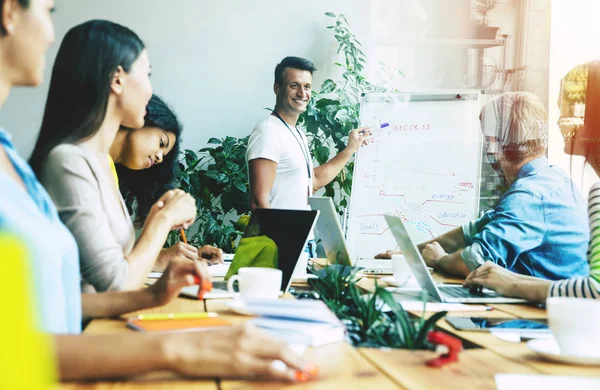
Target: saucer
column 548, row 349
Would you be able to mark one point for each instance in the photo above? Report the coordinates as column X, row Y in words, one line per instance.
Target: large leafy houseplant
column 217, row 177
column 367, row 324
column 334, row 110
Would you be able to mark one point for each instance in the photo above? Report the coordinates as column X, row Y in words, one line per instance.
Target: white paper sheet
column 546, row 382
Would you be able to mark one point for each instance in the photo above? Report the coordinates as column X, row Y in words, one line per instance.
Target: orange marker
column 182, row 234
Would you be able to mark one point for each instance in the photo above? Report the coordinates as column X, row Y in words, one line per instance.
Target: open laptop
column 329, row 232
column 441, row 293
column 288, row 229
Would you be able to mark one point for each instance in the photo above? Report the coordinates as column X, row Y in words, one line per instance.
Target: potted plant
column 334, row 110
column 482, row 10
column 217, row 177
column 366, row 323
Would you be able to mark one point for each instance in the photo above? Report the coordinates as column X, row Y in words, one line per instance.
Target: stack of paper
column 306, row 321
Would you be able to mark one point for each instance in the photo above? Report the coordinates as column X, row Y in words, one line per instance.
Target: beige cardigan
column 87, row 205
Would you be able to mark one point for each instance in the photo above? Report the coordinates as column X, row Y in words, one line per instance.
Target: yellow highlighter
column 175, row 316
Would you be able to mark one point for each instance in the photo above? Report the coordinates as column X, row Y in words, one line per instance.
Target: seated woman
column 146, row 167
column 84, row 112
column 26, row 32
column 581, row 141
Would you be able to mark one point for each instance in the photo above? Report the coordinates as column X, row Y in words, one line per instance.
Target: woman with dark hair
column 146, row 158
column 96, row 88
column 26, row 211
column 145, row 167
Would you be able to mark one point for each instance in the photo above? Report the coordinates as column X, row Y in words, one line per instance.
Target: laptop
column 329, row 232
column 289, row 231
column 440, row 293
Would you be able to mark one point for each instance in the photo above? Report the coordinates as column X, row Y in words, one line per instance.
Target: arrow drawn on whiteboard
column 426, row 173
column 443, row 224
column 377, row 234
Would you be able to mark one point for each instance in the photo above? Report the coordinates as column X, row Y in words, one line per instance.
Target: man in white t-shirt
column 279, row 161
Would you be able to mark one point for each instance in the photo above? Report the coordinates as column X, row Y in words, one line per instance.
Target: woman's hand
column 211, row 253
column 241, row 351
column 177, row 207
column 179, row 274
column 176, row 251
column 491, row 275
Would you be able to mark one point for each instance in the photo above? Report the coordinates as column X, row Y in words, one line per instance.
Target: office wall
column 213, row 60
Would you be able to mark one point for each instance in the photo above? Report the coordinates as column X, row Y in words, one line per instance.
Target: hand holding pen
column 359, row 137
column 205, row 284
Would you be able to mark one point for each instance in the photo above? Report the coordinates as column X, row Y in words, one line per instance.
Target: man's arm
column 325, row 173
column 261, row 172
column 451, row 241
column 451, row 264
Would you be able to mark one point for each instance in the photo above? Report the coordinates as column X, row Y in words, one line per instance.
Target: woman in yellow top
column 146, row 167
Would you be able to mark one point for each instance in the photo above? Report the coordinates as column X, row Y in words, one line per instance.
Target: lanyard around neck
column 300, row 143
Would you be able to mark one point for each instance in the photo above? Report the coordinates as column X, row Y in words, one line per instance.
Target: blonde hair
column 519, row 123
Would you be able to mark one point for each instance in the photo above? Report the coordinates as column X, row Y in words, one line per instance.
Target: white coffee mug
column 257, row 283
column 574, row 324
column 401, row 270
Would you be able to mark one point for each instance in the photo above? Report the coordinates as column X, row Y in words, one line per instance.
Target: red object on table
column 453, row 344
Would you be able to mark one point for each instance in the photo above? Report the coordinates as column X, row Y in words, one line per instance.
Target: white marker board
column 424, row 167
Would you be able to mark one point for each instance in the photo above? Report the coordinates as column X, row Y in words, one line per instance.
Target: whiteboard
column 423, row 167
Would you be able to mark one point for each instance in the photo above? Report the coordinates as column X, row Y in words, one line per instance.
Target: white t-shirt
column 272, row 140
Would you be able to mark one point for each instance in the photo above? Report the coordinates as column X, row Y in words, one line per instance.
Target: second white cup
column 574, row 324
column 401, row 270
column 257, row 283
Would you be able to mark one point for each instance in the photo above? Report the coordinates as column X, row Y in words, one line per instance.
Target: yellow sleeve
column 26, row 359
column 113, row 169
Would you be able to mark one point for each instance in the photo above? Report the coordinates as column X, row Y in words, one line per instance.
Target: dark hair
column 144, row 187
column 22, row 3
column 294, row 63
column 88, row 57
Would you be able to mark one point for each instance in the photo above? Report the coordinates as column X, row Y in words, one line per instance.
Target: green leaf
column 214, row 141
column 331, row 14
column 427, row 326
column 328, row 86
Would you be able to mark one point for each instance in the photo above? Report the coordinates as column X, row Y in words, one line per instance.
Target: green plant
column 367, row 324
column 334, row 111
column 217, row 177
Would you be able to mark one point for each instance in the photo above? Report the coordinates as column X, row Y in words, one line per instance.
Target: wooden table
column 345, row 367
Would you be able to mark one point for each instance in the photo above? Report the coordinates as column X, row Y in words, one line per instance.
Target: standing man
column 279, row 161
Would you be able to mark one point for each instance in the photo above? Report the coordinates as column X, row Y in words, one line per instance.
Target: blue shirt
column 539, row 228
column 52, row 249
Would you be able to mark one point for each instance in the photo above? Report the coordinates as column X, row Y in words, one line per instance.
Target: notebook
column 177, row 325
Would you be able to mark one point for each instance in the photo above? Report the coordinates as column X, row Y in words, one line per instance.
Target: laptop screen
column 275, row 238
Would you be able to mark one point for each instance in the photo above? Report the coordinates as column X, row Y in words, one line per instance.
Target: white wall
column 212, row 61
column 574, row 40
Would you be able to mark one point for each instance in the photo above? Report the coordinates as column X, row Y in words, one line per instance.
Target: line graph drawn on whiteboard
column 424, row 168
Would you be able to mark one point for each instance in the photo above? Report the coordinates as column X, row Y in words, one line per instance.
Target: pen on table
column 379, row 126
column 206, row 286
column 175, row 316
